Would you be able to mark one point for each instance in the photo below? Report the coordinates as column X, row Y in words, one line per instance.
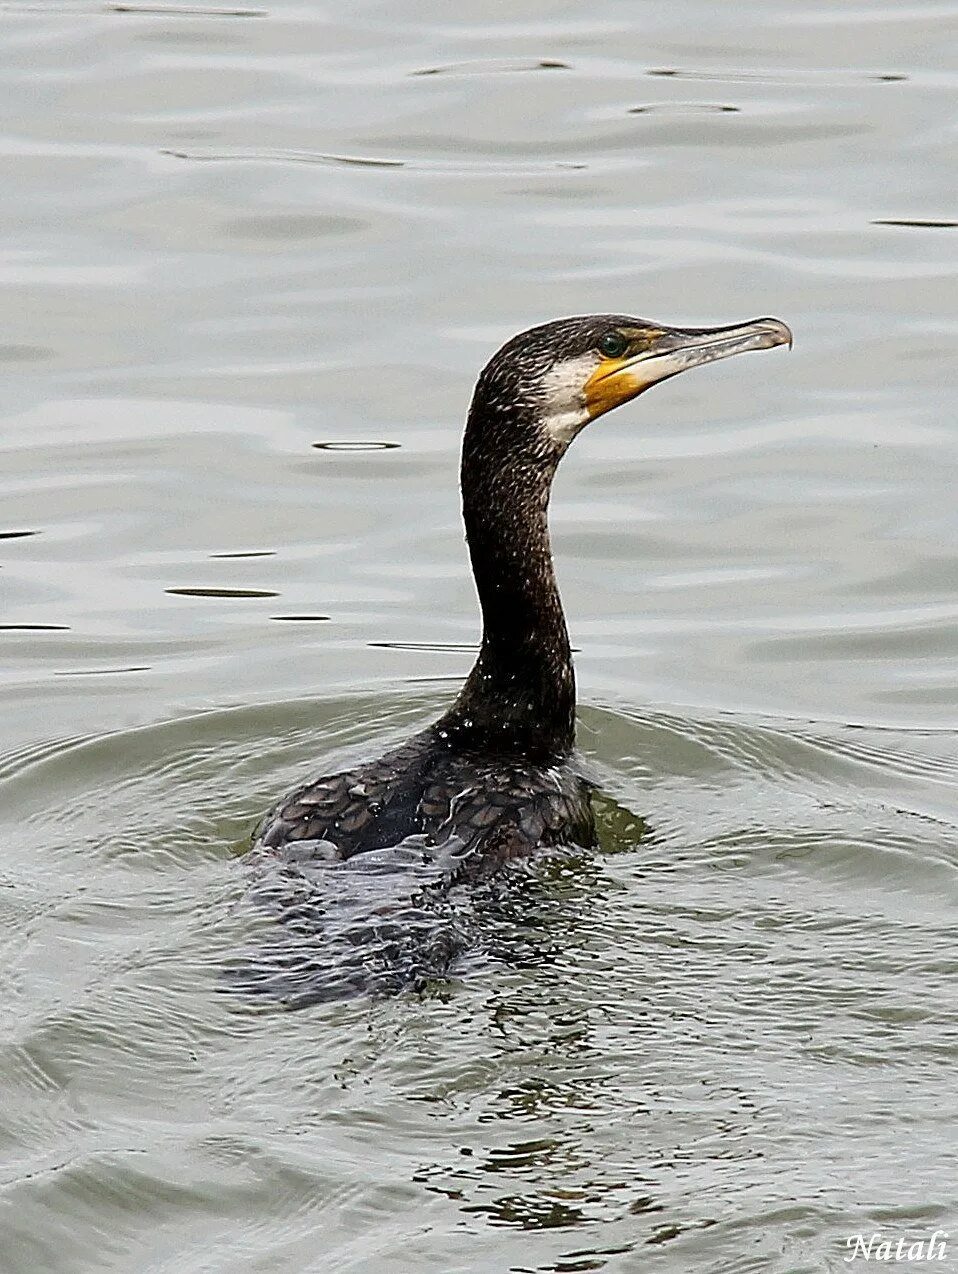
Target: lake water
column 251, row 263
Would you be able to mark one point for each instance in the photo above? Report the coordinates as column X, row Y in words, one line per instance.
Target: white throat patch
column 564, row 411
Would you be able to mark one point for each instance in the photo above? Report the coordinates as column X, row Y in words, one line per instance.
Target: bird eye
column 613, row 345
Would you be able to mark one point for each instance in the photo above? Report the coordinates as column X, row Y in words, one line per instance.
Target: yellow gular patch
column 611, row 384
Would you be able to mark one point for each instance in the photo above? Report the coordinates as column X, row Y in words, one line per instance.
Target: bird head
column 555, row 379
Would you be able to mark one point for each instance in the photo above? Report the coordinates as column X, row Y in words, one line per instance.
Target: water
column 251, row 265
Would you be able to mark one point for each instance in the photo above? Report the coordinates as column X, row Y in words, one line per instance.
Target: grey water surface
column 252, row 259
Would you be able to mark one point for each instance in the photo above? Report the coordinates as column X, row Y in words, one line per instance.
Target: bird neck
column 519, row 698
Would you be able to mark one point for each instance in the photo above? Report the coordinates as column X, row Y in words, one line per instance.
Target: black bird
column 496, row 777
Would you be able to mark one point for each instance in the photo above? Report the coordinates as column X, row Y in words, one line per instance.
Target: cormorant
column 495, row 777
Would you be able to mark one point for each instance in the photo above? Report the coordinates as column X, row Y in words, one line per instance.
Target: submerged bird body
column 495, row 777
column 484, row 810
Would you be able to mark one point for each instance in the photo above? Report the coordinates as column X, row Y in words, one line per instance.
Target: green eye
column 613, row 345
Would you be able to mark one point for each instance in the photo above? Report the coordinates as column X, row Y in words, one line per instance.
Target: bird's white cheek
column 564, row 410
column 562, row 426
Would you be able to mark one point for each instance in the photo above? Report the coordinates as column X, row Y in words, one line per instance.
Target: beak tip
column 781, row 332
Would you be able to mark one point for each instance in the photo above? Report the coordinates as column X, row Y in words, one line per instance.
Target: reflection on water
column 355, row 446
column 916, row 225
column 221, row 592
column 292, row 157
column 248, row 553
column 253, row 260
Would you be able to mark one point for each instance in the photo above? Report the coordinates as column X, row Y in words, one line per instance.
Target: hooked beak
column 672, row 350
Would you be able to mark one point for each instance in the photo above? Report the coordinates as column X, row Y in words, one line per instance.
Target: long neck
column 519, row 698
